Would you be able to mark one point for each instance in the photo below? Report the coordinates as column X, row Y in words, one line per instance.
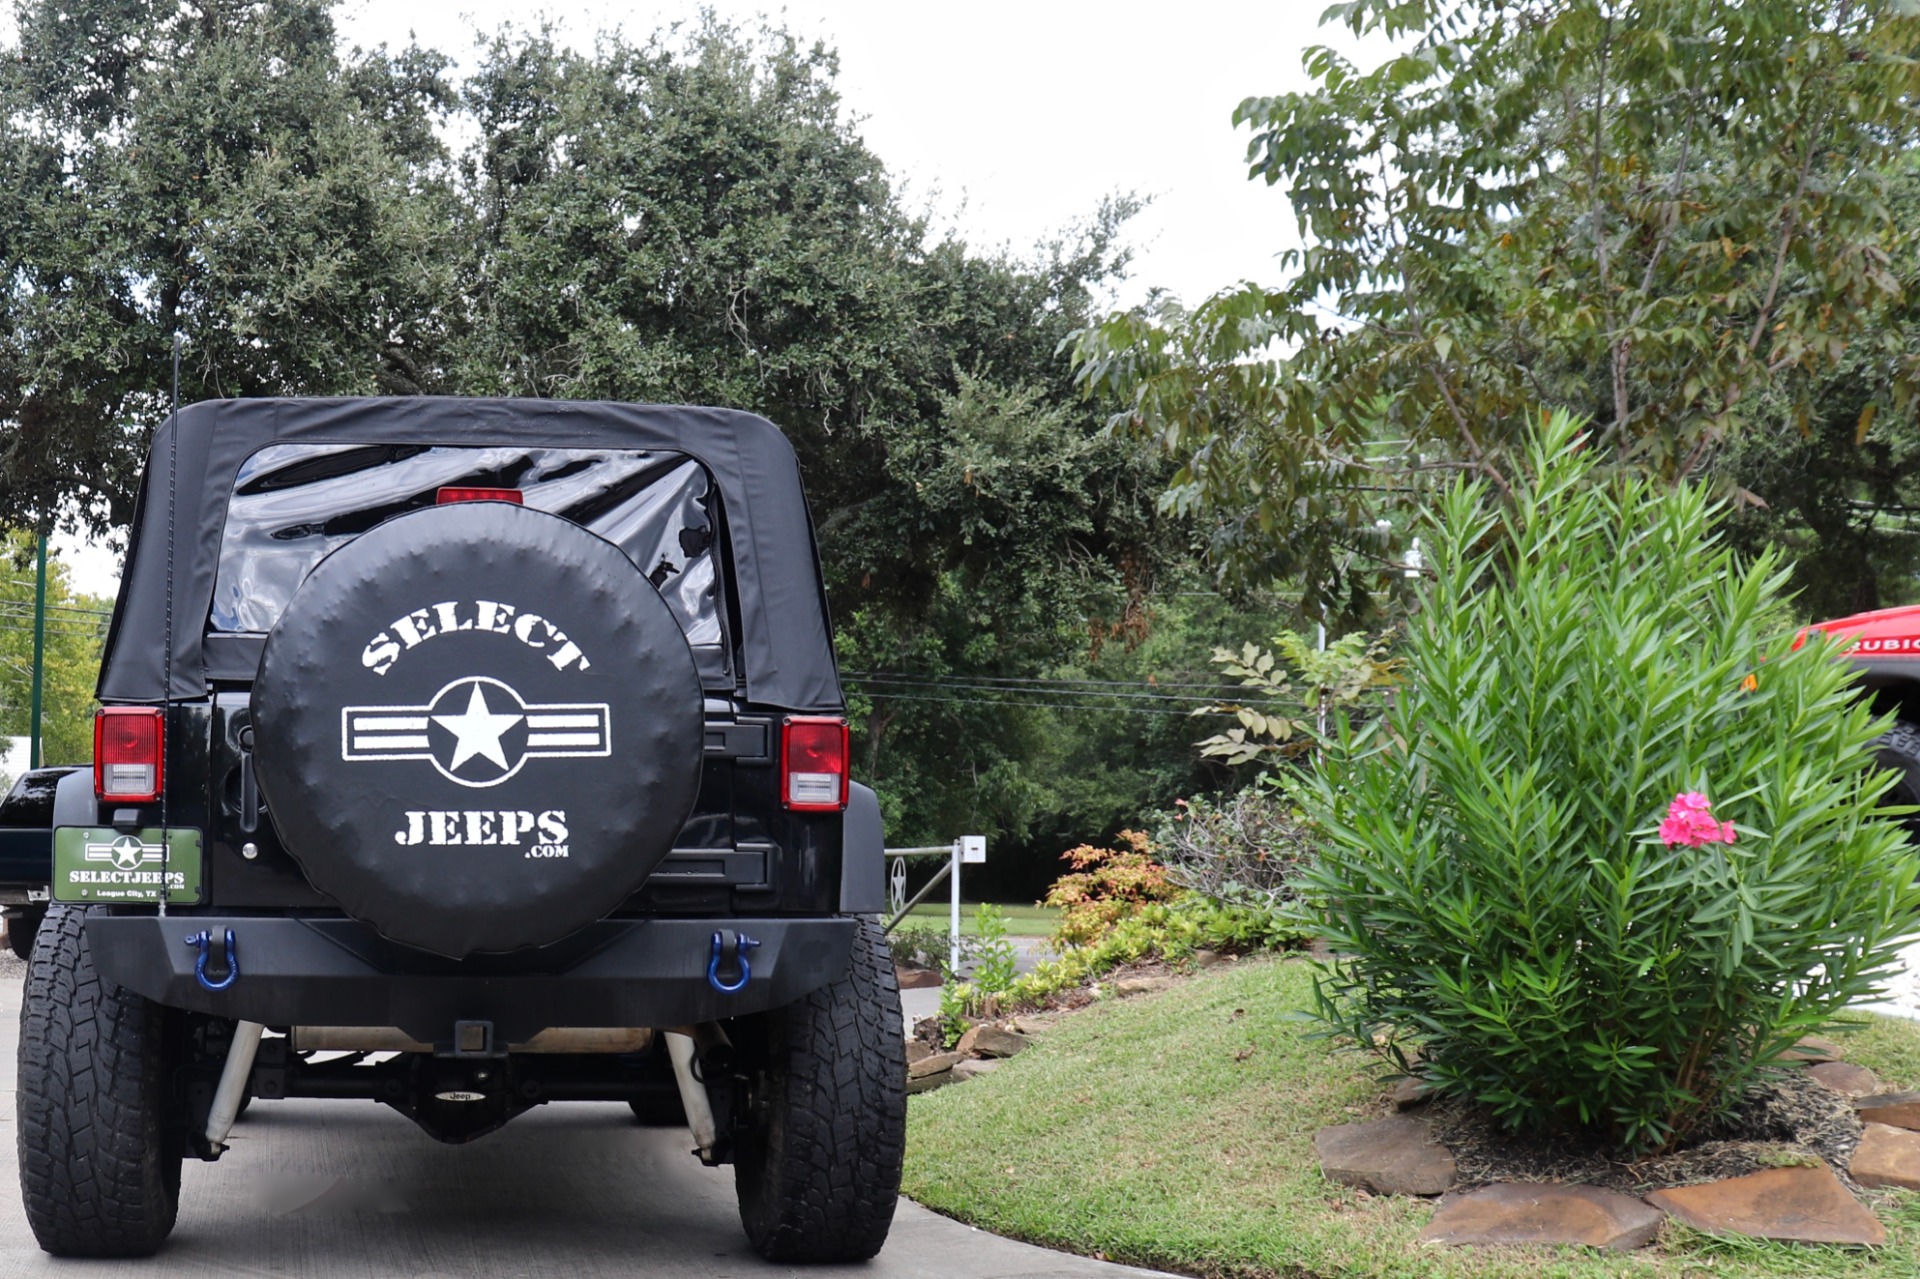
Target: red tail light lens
column 813, row 763
column 449, row 495
column 128, row 761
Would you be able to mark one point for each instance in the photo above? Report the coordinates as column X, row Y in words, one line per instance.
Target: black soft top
column 786, row 654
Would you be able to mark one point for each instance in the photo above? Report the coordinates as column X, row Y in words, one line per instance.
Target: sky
column 1007, row 122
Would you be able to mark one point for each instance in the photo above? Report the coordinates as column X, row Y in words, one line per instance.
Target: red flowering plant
column 1505, row 903
column 1689, row 823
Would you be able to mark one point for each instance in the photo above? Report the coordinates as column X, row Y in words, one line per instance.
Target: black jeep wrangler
column 467, row 755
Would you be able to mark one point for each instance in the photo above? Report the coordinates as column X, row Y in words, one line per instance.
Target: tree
column 1661, row 215
column 75, row 627
column 1842, row 490
column 690, row 217
column 216, row 169
column 693, row 219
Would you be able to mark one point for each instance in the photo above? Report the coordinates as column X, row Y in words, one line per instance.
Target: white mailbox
column 973, row 848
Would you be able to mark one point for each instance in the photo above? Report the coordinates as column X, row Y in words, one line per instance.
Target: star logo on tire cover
column 476, row 731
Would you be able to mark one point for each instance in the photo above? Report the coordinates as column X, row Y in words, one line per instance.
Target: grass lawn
column 1176, row 1130
column 1022, row 920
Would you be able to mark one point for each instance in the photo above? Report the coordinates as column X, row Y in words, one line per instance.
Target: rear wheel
column 1898, row 749
column 817, row 1159
column 99, row 1160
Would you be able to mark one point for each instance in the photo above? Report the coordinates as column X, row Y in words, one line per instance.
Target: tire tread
column 825, row 1185
column 99, row 1175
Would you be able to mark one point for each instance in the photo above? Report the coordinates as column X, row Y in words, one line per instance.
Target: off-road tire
column 1899, row 749
column 99, row 1165
column 817, row 1163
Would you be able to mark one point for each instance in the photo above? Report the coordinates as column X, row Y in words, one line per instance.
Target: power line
column 1058, row 706
column 1086, row 696
column 60, row 608
column 1036, row 680
column 1038, row 684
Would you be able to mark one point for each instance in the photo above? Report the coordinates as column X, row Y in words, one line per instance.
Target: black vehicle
column 26, row 852
column 465, row 756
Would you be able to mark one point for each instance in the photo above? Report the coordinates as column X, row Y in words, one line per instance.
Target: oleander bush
column 1507, row 906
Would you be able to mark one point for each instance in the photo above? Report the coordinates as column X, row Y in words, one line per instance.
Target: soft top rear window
column 294, row 503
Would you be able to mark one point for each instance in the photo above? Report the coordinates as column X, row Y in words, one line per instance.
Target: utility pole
column 39, row 653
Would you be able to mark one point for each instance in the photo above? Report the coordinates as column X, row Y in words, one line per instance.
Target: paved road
column 339, row 1190
column 1903, row 992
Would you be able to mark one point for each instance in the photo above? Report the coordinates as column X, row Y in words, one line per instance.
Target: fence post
column 39, row 655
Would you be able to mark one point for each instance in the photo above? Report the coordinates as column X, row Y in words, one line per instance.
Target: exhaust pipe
column 693, row 1096
column 233, row 1084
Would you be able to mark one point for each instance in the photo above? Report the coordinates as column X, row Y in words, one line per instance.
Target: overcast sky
column 1009, row 121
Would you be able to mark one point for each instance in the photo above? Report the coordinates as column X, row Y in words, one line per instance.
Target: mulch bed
column 1787, row 1118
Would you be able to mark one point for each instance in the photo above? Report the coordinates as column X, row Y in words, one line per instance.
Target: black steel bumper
column 337, row 972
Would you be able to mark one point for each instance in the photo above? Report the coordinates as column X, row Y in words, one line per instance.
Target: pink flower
column 1690, row 822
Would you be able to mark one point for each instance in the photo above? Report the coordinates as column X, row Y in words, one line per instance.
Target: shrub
column 926, row 946
column 1491, row 872
column 1170, row 931
column 1243, row 849
column 1289, row 699
column 993, row 965
column 1105, row 886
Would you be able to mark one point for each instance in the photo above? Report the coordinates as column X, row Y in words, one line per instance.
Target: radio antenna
column 166, row 650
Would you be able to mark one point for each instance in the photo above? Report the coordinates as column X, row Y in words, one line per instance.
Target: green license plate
column 99, row 864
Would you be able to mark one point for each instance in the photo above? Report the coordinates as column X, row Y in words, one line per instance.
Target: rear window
column 294, row 503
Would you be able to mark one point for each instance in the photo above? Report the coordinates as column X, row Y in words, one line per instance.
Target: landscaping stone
column 927, row 1083
column 1141, row 985
column 917, row 978
column 1545, row 1214
column 1887, row 1156
column 964, row 1045
column 1797, row 1205
column 1393, row 1156
column 1900, row 1109
column 933, row 1065
column 918, row 1050
column 1410, row 1092
column 992, row 1041
column 1845, row 1077
column 971, row 1068
column 1812, row 1050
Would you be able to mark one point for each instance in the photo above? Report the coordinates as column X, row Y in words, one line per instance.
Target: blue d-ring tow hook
column 741, row 945
column 204, row 941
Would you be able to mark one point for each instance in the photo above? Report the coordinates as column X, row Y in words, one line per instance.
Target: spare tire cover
column 477, row 727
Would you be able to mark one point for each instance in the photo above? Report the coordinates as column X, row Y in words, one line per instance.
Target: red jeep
column 1886, row 650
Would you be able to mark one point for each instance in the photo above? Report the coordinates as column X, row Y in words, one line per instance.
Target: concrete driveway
column 339, row 1190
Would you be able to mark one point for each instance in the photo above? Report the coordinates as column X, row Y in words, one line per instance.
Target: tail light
column 449, row 495
column 128, row 754
column 813, row 763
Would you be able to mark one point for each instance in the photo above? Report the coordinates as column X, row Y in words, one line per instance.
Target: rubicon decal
column 476, row 731
column 1907, row 644
column 451, row 617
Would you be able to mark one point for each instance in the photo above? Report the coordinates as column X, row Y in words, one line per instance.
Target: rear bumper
column 336, row 972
